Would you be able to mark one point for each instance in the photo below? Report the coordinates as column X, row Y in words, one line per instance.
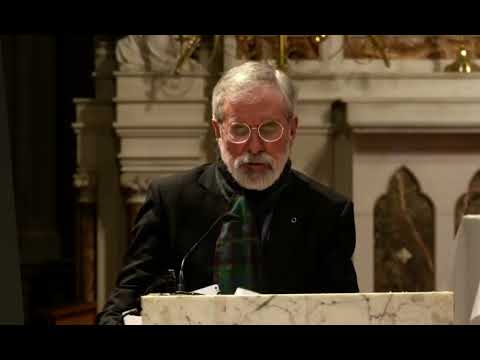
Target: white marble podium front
column 299, row 309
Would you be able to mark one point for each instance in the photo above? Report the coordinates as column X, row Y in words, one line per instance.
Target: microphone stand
column 227, row 217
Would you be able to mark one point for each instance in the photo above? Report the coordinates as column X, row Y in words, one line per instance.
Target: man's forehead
column 257, row 93
column 268, row 107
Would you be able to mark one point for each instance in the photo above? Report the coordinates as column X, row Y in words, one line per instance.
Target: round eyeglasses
column 268, row 131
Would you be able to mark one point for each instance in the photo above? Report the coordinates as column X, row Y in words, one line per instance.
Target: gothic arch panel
column 468, row 203
column 404, row 236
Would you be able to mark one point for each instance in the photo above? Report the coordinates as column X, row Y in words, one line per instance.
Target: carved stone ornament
column 173, row 86
column 136, row 184
column 156, row 53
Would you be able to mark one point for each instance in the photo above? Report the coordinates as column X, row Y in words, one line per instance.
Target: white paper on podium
column 132, row 320
column 208, row 290
column 242, row 291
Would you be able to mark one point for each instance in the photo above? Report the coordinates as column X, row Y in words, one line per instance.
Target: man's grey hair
column 237, row 82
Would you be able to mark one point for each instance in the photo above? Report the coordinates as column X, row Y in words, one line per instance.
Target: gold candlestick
column 185, row 53
column 282, row 61
column 463, row 63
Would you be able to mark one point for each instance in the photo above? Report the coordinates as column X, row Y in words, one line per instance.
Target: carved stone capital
column 135, row 187
column 84, row 180
column 86, row 185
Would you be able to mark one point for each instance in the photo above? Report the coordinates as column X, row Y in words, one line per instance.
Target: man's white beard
column 254, row 180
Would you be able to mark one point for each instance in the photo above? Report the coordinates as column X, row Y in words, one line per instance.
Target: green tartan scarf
column 234, row 264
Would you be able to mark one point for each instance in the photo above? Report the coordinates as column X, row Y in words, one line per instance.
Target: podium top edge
column 447, row 293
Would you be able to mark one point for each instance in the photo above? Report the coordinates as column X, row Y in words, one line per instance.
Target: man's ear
column 293, row 127
column 216, row 128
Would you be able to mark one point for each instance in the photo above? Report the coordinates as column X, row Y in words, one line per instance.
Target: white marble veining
column 299, row 309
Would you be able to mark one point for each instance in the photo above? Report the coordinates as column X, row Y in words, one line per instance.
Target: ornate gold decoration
column 282, row 56
column 417, row 47
column 379, row 45
column 189, row 44
column 282, row 48
column 463, row 63
column 250, row 47
column 320, row 38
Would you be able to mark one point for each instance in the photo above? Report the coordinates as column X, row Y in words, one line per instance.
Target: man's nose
column 255, row 143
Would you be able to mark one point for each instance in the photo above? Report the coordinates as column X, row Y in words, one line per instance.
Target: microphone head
column 231, row 217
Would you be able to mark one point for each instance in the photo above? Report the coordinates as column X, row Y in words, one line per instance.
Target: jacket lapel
column 206, row 196
column 215, row 201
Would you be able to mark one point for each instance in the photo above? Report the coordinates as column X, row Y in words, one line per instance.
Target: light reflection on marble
column 299, row 309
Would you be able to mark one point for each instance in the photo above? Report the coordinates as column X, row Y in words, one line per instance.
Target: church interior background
column 389, row 121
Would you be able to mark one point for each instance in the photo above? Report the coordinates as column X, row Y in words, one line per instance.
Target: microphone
column 227, row 217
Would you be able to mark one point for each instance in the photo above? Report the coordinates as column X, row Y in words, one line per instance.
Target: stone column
column 134, row 191
column 98, row 179
column 86, row 236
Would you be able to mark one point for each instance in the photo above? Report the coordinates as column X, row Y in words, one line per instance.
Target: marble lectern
column 299, row 309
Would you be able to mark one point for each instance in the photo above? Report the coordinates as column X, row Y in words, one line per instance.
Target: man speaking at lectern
column 291, row 234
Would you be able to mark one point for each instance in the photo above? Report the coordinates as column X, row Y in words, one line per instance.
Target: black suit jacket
column 312, row 239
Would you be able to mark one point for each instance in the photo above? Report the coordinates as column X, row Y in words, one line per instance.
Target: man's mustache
column 262, row 158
